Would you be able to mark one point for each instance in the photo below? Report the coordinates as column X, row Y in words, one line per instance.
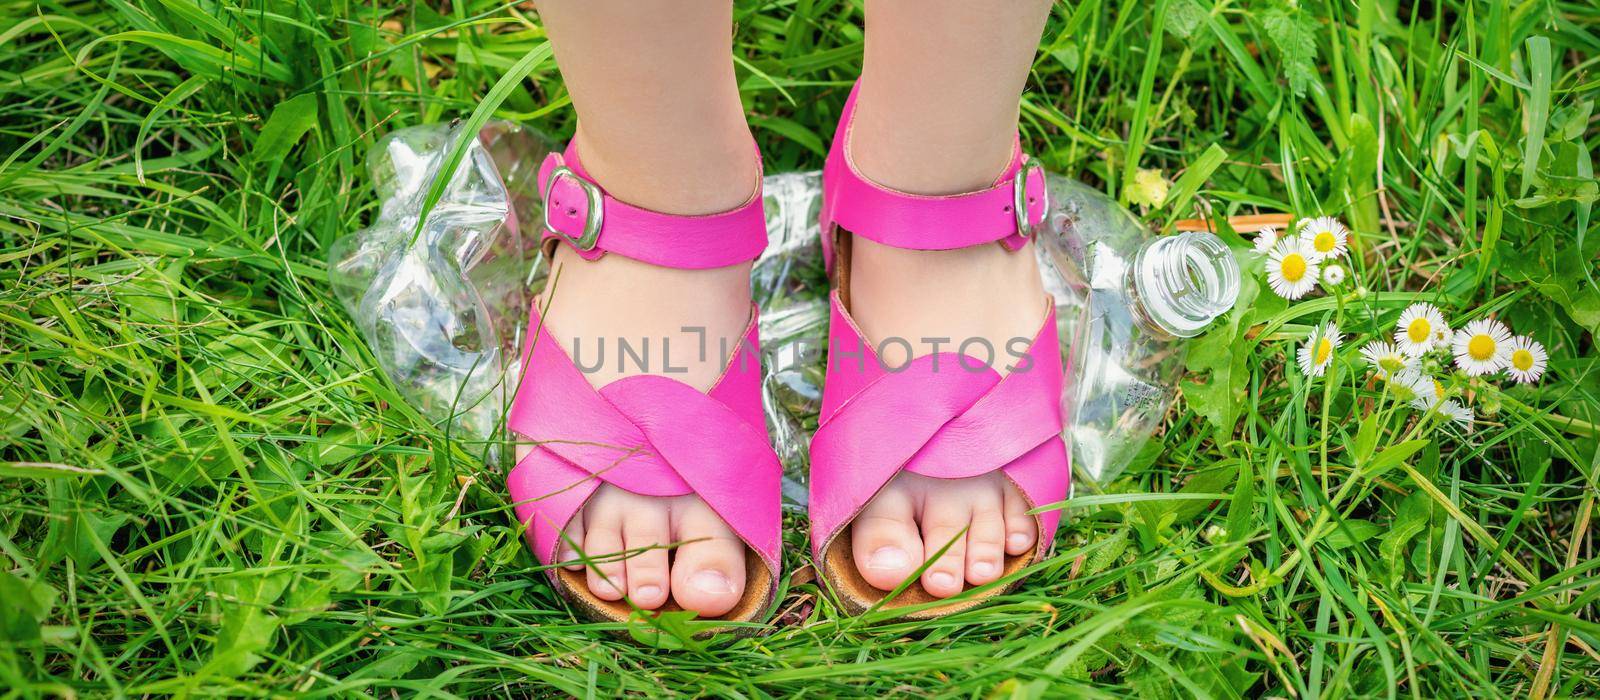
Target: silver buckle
column 1019, row 196
column 594, row 218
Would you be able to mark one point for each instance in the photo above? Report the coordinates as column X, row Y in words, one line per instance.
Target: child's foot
column 944, row 297
column 679, row 324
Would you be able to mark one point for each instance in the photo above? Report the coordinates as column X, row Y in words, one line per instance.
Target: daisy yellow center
column 1480, row 347
column 1438, row 388
column 1324, row 349
column 1293, row 267
column 1419, row 330
column 1391, row 364
column 1522, row 360
column 1323, row 242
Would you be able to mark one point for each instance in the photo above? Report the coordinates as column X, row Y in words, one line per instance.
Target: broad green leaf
column 1363, row 179
column 1536, row 108
column 1293, row 32
column 1351, row 532
column 1393, row 457
column 1409, row 520
column 1366, row 440
column 289, row 122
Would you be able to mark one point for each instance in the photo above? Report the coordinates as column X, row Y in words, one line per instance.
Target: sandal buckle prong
column 593, row 218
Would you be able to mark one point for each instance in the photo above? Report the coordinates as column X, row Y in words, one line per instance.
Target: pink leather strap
column 647, row 434
column 579, row 213
column 923, row 222
column 946, row 416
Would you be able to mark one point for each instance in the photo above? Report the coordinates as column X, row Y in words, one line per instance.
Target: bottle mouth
column 1184, row 282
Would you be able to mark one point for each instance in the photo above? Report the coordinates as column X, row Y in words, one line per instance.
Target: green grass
column 208, row 487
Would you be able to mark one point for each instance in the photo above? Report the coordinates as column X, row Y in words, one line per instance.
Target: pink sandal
column 648, row 434
column 950, row 424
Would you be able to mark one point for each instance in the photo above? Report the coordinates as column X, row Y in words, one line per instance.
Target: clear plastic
column 790, row 284
column 442, row 306
column 443, row 310
column 1126, row 300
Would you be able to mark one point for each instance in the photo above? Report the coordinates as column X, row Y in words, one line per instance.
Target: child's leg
column 660, row 127
column 659, row 118
column 936, row 114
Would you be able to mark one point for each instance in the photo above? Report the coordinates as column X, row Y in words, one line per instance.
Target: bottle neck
column 1182, row 283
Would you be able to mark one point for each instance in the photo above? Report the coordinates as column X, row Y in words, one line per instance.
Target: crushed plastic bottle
column 442, row 308
column 1126, row 300
column 443, row 311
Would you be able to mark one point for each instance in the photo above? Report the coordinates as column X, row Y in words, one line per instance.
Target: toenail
column 605, row 588
column 712, row 582
column 647, row 592
column 983, row 568
column 1018, row 539
column 888, row 559
column 942, row 579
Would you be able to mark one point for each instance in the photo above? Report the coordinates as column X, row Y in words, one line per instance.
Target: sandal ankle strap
column 1009, row 211
column 579, row 213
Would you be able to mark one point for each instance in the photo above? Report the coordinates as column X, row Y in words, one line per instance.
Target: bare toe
column 572, row 538
column 567, row 554
column 946, row 512
column 602, row 540
column 708, row 568
column 1021, row 530
column 887, row 547
column 986, row 536
column 646, row 533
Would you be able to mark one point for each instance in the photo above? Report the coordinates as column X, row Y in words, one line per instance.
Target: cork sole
column 757, row 599
column 858, row 596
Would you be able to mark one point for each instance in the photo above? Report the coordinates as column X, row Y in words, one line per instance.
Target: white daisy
column 1266, row 239
column 1291, row 268
column 1317, row 353
column 1386, row 358
column 1528, row 359
column 1332, row 275
column 1403, row 384
column 1328, row 238
column 1428, row 392
column 1420, row 329
column 1457, row 412
column 1484, row 346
